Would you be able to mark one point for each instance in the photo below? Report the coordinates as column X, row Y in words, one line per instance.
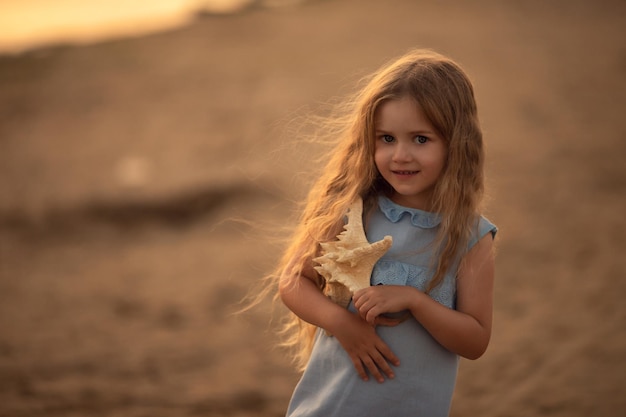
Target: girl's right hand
column 366, row 349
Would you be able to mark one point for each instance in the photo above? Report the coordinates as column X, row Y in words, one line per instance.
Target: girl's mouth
column 405, row 172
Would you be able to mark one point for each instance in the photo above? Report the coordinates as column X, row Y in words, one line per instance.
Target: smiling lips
column 405, row 173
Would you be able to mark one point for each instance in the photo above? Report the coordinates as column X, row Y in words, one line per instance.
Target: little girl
column 411, row 148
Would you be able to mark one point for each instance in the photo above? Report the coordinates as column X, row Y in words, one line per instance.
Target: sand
column 124, row 163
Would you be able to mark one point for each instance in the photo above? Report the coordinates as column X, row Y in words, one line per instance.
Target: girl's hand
column 388, row 321
column 374, row 301
column 366, row 349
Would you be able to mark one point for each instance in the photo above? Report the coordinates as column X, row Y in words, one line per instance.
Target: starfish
column 347, row 263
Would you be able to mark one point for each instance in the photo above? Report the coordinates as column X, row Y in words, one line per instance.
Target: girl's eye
column 421, row 139
column 387, row 138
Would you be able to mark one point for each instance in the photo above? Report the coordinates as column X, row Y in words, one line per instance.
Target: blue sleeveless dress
column 424, row 381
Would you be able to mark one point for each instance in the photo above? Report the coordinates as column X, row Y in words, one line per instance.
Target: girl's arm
column 366, row 350
column 465, row 331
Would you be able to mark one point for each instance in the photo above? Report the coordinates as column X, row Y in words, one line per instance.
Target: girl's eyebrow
column 417, row 132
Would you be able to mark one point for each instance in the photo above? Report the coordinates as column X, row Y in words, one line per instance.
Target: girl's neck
column 411, row 203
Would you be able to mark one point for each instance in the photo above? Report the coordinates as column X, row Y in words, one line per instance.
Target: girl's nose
column 401, row 153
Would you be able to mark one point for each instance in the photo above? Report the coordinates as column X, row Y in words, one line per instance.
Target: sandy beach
column 145, row 182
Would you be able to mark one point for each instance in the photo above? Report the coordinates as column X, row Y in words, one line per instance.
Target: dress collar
column 419, row 218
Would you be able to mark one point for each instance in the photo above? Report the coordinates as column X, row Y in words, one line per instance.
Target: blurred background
column 149, row 151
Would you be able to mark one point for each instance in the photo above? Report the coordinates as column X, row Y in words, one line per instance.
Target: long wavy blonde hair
column 444, row 92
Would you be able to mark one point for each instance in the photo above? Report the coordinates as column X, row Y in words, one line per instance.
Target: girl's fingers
column 383, row 366
column 358, row 365
column 359, row 298
column 377, row 364
column 358, row 303
column 371, row 316
column 372, row 367
column 388, row 355
column 363, row 314
column 370, row 355
column 363, row 308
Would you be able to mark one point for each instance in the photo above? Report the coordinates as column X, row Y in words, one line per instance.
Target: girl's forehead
column 396, row 107
column 405, row 98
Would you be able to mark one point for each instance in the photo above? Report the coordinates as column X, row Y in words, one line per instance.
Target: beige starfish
column 346, row 264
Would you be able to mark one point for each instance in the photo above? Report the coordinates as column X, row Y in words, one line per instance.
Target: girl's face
column 410, row 154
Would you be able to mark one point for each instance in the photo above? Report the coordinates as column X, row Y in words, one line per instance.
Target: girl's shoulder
column 480, row 229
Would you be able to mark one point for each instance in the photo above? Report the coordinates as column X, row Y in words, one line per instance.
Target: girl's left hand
column 373, row 301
